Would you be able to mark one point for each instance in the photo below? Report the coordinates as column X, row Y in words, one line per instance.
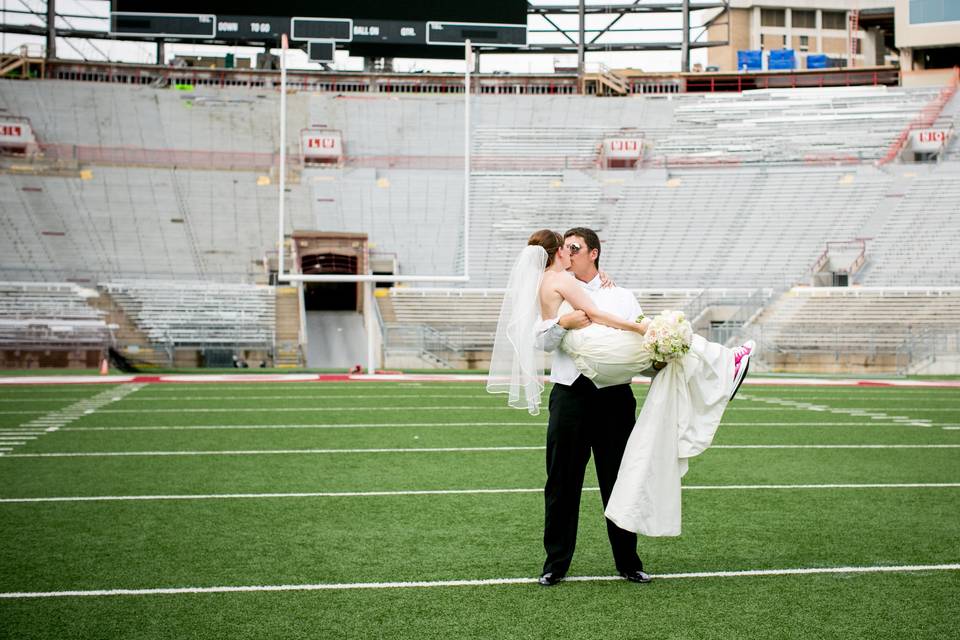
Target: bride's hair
column 551, row 241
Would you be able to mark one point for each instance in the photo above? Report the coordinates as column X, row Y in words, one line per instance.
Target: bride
column 683, row 407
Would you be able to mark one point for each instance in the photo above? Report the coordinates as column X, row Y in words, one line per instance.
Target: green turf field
column 328, row 499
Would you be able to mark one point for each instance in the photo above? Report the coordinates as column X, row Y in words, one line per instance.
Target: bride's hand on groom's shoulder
column 606, row 281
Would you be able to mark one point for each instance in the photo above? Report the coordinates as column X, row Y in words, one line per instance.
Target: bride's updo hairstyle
column 551, row 241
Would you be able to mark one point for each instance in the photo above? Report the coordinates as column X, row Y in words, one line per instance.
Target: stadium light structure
column 368, row 279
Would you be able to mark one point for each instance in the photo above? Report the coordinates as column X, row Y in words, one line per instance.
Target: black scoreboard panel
column 486, row 11
column 320, row 51
column 321, row 29
column 366, row 27
column 456, row 33
column 166, row 24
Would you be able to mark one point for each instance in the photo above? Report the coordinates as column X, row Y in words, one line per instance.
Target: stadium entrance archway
column 333, row 323
column 329, row 253
column 330, row 296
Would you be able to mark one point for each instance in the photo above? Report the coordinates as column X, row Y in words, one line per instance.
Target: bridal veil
column 515, row 366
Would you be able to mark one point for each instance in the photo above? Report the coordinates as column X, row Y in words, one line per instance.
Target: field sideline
column 412, row 508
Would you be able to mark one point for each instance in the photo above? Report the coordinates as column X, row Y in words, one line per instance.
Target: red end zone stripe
column 391, row 376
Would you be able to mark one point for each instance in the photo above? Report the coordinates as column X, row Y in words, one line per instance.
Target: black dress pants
column 584, row 419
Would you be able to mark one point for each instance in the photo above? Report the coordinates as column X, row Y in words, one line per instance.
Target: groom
column 584, row 418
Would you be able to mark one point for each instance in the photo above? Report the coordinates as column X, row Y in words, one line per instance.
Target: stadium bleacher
column 918, row 243
column 202, row 314
column 813, row 125
column 144, row 117
column 857, row 324
column 137, row 222
column 415, row 215
column 51, row 316
column 462, row 322
column 735, row 191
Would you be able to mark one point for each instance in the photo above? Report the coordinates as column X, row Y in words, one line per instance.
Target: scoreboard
column 431, row 29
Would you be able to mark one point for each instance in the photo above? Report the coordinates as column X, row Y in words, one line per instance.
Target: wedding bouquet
column 668, row 337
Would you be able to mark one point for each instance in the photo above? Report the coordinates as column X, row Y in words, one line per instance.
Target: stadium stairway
column 287, row 329
column 128, row 339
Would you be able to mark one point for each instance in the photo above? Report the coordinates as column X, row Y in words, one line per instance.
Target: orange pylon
column 104, row 367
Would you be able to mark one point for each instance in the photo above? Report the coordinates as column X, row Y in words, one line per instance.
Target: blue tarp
column 782, row 59
column 750, row 60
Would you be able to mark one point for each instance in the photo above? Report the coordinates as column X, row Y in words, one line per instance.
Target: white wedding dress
column 678, row 420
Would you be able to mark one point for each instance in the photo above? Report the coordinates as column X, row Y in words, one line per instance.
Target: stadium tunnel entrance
column 331, row 253
column 330, row 296
column 335, row 334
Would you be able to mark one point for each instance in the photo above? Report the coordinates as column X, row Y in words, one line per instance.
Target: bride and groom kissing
column 557, row 301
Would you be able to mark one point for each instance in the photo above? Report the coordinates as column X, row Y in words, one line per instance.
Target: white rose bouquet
column 668, row 337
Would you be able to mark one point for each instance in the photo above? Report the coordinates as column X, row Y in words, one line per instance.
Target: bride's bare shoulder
column 558, row 276
column 555, row 279
column 551, row 280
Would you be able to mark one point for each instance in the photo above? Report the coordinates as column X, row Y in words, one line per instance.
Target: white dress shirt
column 615, row 300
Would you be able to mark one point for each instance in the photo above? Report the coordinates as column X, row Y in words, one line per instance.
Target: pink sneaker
column 741, row 363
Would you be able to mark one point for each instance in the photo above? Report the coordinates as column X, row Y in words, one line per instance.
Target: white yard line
column 254, row 452
column 354, row 408
column 390, row 425
column 331, row 396
column 326, row 394
column 854, row 412
column 836, row 446
column 311, row 408
column 447, row 492
column 46, row 400
column 342, row 586
column 358, row 425
column 851, row 423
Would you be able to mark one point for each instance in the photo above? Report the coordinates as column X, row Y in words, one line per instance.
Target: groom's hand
column 574, row 320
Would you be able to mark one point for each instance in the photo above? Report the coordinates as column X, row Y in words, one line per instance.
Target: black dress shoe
column 637, row 576
column 549, row 579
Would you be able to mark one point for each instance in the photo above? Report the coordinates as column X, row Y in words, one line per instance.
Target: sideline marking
column 446, row 492
column 52, row 421
column 792, row 405
column 471, row 583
